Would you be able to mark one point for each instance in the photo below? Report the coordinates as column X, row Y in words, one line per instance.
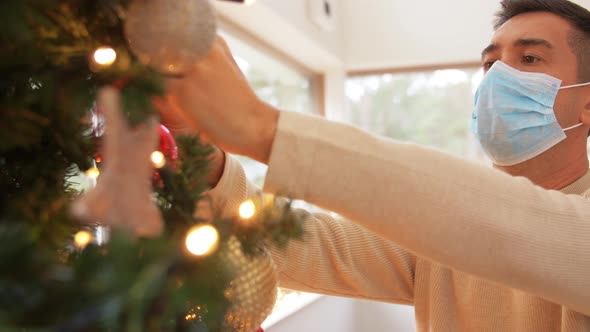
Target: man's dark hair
column 576, row 15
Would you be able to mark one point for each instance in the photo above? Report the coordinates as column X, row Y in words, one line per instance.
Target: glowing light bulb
column 247, row 209
column 92, row 172
column 82, row 239
column 158, row 159
column 105, row 56
column 249, row 2
column 202, row 240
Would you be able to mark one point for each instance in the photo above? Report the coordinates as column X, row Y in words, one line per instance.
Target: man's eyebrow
column 522, row 42
column 532, row 42
column 489, row 49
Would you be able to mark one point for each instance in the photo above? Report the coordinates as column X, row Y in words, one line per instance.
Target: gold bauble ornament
column 253, row 292
column 170, row 35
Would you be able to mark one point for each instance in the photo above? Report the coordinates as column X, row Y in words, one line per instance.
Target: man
column 472, row 248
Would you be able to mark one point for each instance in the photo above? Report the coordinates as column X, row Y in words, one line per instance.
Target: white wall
column 344, row 315
column 395, row 33
column 323, row 315
column 399, row 33
column 381, row 317
column 296, row 13
column 284, row 25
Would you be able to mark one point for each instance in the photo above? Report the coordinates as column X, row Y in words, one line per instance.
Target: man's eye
column 488, row 64
column 530, row 59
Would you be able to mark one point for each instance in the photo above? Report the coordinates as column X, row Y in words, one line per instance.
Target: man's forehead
column 537, row 25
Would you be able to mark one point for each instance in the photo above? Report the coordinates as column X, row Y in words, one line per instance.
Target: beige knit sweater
column 473, row 249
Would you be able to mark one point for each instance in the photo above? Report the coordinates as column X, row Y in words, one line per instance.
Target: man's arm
column 466, row 216
column 335, row 258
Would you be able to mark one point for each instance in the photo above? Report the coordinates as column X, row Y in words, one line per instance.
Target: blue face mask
column 513, row 117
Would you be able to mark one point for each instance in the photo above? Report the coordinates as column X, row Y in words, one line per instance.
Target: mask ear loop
column 569, row 87
column 574, row 86
column 574, row 126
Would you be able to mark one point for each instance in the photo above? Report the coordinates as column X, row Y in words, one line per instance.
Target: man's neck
column 550, row 172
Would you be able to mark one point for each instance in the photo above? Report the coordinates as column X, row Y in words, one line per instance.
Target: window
column 430, row 107
column 275, row 82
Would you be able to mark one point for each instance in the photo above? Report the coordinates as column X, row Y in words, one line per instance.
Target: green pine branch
column 47, row 88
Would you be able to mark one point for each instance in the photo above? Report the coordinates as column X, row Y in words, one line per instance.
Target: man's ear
column 585, row 115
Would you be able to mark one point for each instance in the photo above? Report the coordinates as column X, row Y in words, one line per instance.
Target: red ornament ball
column 169, row 149
column 168, row 145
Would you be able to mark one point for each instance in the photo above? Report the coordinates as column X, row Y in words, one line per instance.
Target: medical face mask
column 514, row 118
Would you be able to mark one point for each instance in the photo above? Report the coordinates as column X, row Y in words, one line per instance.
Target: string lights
column 202, row 240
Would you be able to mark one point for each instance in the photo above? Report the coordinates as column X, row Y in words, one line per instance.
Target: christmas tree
column 77, row 85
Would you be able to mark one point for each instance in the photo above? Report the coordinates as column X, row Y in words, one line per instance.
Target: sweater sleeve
column 466, row 216
column 336, row 257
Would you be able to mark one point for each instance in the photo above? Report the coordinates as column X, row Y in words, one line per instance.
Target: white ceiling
column 401, row 33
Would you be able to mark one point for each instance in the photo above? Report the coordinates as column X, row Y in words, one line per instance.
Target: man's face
column 538, row 42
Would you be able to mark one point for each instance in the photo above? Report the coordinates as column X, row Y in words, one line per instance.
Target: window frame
column 316, row 80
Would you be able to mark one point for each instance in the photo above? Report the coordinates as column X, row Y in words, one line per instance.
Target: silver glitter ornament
column 170, row 35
